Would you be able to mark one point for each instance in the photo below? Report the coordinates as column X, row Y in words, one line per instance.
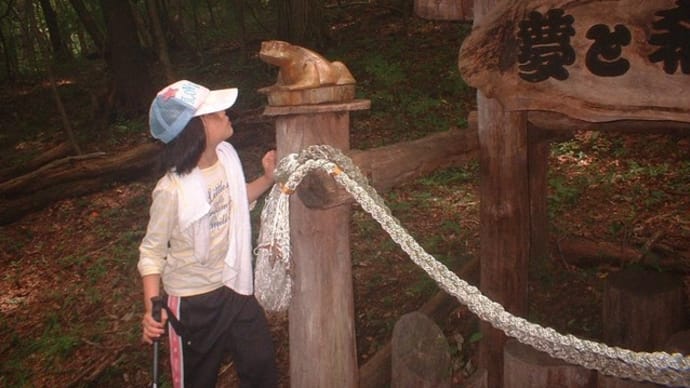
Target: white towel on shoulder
column 193, row 209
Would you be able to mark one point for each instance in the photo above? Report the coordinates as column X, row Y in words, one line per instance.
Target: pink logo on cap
column 170, row 93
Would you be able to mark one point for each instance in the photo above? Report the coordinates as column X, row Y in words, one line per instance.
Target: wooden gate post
column 321, row 316
column 504, row 228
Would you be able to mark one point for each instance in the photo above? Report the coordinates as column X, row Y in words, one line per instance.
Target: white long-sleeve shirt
column 177, row 241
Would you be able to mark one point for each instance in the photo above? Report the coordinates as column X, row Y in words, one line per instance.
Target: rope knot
column 285, row 189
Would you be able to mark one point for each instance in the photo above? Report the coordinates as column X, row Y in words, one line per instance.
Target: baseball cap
column 177, row 103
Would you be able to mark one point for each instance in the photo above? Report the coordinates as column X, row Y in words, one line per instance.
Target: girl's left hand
column 269, row 164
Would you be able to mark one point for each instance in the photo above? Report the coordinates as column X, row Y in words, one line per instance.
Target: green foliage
column 424, row 287
column 475, row 337
column 96, row 271
column 563, row 193
column 679, row 180
column 384, row 72
column 451, row 227
column 639, row 171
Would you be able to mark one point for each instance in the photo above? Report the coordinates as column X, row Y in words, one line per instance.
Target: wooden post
column 528, row 367
column 504, row 222
column 321, row 316
column 538, row 161
column 504, row 229
column 641, row 310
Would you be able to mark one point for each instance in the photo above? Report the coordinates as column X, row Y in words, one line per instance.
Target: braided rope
column 274, row 243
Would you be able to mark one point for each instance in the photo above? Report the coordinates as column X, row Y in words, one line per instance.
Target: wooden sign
column 591, row 60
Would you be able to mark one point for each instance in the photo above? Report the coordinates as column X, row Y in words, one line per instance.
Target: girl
column 198, row 243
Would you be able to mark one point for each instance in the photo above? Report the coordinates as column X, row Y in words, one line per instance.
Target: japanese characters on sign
column 545, row 49
column 593, row 60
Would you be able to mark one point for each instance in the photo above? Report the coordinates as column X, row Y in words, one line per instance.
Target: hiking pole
column 156, row 306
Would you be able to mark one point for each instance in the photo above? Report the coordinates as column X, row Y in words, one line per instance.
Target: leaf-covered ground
column 71, row 301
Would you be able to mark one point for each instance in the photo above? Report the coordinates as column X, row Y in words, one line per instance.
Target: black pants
column 221, row 322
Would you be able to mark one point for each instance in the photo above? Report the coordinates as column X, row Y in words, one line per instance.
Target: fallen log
column 389, row 166
column 584, row 252
column 385, row 167
column 59, row 151
column 83, row 178
column 33, row 180
column 73, row 176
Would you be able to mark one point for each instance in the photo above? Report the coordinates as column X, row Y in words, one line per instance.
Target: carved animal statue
column 302, row 68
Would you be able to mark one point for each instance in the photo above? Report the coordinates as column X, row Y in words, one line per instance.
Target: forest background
column 78, row 77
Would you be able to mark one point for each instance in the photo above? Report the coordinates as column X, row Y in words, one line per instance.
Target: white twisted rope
column 274, row 248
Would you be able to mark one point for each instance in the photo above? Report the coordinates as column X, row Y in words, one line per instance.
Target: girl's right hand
column 151, row 329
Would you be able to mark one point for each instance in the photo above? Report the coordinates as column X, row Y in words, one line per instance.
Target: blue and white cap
column 176, row 104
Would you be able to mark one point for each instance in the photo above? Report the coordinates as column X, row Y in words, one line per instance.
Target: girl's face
column 217, row 126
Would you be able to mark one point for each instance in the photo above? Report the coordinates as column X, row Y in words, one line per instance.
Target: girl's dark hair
column 183, row 152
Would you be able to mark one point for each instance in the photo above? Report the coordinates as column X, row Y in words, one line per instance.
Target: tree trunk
column 67, row 125
column 238, row 9
column 300, row 22
column 175, row 24
column 60, row 50
column 126, row 62
column 8, row 47
column 31, row 47
column 90, row 24
column 159, row 39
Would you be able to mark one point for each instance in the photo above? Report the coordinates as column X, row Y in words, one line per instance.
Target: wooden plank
column 611, row 59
